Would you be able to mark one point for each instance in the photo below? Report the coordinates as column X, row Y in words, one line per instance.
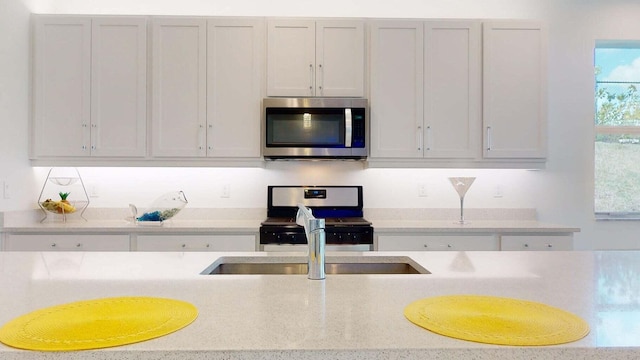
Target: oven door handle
column 348, row 128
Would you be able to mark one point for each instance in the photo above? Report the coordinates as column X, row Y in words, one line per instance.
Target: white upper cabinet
column 62, row 85
column 340, row 58
column 179, row 91
column 425, row 89
column 452, row 90
column 235, row 79
column 89, row 87
column 118, row 87
column 207, row 87
column 515, row 97
column 396, row 94
column 441, row 91
column 315, row 58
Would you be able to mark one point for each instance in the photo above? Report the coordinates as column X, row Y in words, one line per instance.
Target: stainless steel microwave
column 314, row 128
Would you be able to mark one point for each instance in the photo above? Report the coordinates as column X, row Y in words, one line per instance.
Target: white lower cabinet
column 536, row 242
column 196, row 243
column 66, row 242
column 437, row 242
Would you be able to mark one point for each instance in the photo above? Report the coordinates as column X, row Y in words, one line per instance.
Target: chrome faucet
column 314, row 230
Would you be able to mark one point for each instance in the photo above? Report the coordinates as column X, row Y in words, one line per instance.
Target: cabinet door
column 179, row 87
column 61, row 79
column 66, row 242
column 290, row 58
column 437, row 242
column 536, row 242
column 396, row 99
column 235, row 68
column 452, row 89
column 339, row 58
column 118, row 86
column 196, row 243
column 514, row 91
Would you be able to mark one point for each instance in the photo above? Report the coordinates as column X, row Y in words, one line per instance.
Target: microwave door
column 307, row 128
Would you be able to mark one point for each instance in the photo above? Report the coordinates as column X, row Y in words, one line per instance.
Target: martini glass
column 462, row 184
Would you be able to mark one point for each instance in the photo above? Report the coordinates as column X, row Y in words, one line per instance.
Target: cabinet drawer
column 196, row 243
column 437, row 242
column 536, row 243
column 62, row 242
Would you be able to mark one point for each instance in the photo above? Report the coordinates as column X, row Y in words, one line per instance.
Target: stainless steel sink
column 292, row 265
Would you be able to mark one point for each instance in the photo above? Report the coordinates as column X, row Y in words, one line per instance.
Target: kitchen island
column 342, row 317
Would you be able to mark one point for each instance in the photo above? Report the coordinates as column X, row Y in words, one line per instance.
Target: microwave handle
column 348, row 128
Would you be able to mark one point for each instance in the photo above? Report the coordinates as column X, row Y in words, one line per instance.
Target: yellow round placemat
column 100, row 323
column 496, row 320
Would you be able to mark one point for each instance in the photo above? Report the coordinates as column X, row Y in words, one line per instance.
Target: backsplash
column 247, row 187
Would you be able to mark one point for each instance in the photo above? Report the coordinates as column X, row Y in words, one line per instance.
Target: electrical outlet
column 6, row 191
column 94, row 192
column 422, row 190
column 498, row 191
column 226, row 191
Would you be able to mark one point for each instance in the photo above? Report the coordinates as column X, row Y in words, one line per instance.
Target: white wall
column 14, row 104
column 562, row 192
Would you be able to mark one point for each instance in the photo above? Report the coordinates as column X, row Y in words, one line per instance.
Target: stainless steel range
column 340, row 206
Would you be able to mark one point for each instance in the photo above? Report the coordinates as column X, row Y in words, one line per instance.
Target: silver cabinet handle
column 320, row 77
column 93, row 135
column 201, row 136
column 489, row 138
column 311, row 78
column 419, row 138
column 348, row 128
column 55, row 245
column 210, row 126
column 84, row 126
column 428, row 144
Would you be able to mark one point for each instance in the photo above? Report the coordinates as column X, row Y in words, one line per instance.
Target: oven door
column 304, row 248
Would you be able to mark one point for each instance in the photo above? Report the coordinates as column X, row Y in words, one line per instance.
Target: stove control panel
column 333, row 236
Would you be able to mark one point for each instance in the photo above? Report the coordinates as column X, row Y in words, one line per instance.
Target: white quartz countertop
column 194, row 221
column 474, row 226
column 342, row 317
column 123, row 226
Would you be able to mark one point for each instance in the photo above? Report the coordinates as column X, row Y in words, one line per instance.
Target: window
column 617, row 129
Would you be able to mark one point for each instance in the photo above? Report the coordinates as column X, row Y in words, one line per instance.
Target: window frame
column 612, row 129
